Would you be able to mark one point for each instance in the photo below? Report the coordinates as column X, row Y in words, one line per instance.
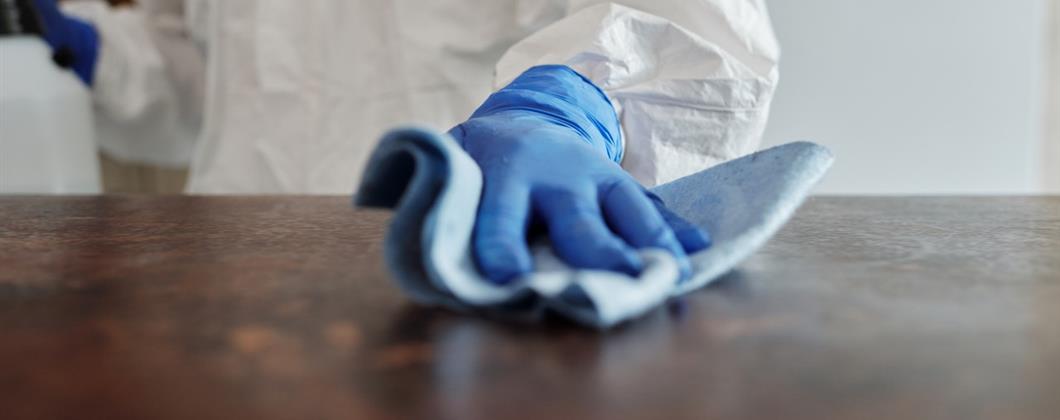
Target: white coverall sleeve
column 692, row 81
column 148, row 60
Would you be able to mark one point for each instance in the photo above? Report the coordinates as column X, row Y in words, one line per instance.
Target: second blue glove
column 75, row 42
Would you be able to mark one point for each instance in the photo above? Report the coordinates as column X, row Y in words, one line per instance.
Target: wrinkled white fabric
column 298, row 90
column 693, row 81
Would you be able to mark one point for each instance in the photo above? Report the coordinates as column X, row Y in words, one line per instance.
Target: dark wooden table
column 176, row 307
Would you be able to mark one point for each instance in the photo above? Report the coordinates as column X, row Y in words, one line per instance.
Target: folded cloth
column 434, row 187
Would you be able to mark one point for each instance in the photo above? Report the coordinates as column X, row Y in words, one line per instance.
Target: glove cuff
column 567, row 98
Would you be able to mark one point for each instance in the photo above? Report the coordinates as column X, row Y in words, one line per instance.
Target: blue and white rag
column 434, row 187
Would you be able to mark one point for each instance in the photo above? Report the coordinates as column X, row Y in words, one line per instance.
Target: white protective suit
column 298, row 92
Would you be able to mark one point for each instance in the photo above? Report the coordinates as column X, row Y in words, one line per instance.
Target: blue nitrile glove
column 549, row 145
column 74, row 42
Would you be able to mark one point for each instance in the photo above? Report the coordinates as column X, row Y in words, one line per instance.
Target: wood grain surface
column 281, row 308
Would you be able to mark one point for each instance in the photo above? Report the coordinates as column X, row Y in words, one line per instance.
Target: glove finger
column 580, row 236
column 499, row 240
column 693, row 238
column 635, row 218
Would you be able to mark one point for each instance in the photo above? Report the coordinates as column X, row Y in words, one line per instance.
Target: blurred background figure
column 148, row 87
column 149, row 91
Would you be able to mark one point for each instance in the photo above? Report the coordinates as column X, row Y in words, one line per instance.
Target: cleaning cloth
column 434, row 188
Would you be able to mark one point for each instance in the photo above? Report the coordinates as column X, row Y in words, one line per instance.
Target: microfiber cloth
column 434, row 187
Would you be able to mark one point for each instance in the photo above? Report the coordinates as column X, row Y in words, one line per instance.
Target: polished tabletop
column 281, row 308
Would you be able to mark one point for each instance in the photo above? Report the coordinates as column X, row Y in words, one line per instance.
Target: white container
column 47, row 137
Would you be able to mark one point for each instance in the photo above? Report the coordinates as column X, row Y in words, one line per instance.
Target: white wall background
column 914, row 96
column 1051, row 158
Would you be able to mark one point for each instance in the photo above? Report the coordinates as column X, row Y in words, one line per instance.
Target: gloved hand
column 549, row 145
column 74, row 42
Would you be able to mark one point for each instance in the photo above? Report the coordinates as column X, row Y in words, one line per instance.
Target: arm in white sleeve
column 692, row 80
column 148, row 62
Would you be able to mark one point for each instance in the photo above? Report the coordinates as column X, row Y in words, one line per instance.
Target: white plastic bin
column 47, row 138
